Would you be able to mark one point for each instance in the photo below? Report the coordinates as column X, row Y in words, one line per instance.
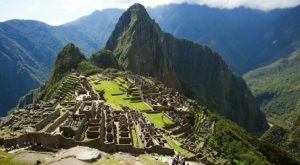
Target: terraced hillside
column 107, row 113
column 66, row 90
column 117, row 93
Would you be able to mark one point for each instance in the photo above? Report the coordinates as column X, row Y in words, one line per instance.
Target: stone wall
column 1, row 141
column 41, row 124
column 58, row 141
column 129, row 148
column 58, row 122
column 181, row 129
column 159, row 149
column 9, row 121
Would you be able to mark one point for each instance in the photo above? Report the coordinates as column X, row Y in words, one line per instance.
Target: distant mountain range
column 244, row 38
column 28, row 50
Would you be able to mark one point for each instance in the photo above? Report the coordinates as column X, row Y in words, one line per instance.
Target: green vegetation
column 67, row 60
column 177, row 147
column 135, row 138
column 117, row 98
column 234, row 143
column 285, row 138
column 145, row 159
column 104, row 59
column 277, row 89
column 86, row 68
column 5, row 159
column 158, row 119
column 66, row 89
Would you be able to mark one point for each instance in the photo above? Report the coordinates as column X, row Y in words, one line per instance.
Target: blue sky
column 55, row 12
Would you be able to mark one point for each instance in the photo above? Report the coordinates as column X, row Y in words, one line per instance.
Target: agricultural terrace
column 116, row 97
column 158, row 119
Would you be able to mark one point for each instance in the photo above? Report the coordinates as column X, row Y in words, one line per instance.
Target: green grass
column 5, row 158
column 135, row 138
column 145, row 159
column 158, row 119
column 116, row 101
column 177, row 148
column 277, row 89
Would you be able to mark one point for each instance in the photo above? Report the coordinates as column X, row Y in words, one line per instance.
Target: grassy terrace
column 116, row 97
column 177, row 148
column 158, row 119
column 135, row 138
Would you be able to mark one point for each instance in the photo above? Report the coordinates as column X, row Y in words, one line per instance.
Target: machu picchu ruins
column 135, row 115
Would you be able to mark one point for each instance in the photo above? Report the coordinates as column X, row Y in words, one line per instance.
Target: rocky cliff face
column 140, row 46
column 104, row 59
column 68, row 59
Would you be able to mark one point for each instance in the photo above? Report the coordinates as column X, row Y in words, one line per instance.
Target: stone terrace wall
column 58, row 122
column 159, row 149
column 58, row 141
column 46, row 120
column 1, row 141
column 129, row 148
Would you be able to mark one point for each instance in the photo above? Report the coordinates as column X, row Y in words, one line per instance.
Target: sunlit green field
column 177, row 148
column 158, row 119
column 111, row 89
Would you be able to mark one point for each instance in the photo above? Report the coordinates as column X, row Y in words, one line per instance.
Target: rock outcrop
column 104, row 59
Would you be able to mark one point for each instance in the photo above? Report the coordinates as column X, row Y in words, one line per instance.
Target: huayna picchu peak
column 146, row 97
column 143, row 48
column 69, row 58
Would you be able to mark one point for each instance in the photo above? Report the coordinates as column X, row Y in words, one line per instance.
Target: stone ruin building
column 89, row 121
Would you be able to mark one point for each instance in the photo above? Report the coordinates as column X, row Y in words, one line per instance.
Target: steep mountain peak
column 67, row 60
column 70, row 54
column 138, row 10
column 136, row 32
column 134, row 18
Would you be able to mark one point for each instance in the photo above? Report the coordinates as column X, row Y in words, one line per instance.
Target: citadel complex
column 115, row 112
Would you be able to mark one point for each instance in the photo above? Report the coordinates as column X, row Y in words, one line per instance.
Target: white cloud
column 60, row 11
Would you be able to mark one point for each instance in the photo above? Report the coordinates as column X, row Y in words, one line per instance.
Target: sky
column 56, row 12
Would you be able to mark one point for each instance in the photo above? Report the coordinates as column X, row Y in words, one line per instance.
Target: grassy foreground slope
column 277, row 89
